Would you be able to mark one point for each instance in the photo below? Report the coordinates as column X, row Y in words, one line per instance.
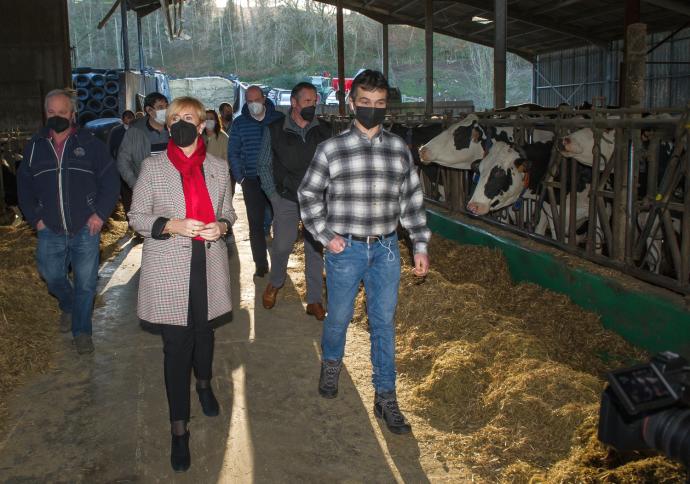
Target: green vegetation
column 277, row 42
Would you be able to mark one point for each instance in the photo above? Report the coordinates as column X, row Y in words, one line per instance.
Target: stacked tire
column 97, row 92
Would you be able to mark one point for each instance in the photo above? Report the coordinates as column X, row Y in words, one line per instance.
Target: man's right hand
column 337, row 244
column 40, row 226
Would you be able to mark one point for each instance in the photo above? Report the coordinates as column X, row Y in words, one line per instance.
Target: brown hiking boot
column 270, row 296
column 316, row 310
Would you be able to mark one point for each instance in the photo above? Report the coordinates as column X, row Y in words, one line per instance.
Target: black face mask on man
column 370, row 117
column 308, row 113
column 183, row 133
column 58, row 123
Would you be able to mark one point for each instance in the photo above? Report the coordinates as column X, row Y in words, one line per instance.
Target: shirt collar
column 354, row 131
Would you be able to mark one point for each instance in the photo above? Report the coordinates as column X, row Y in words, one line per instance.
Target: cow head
column 458, row 146
column 579, row 145
column 503, row 174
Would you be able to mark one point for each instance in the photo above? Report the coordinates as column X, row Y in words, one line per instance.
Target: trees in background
column 277, row 42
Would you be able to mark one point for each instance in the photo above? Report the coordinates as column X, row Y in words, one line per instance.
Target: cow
column 467, row 142
column 458, row 146
column 509, row 173
column 579, row 144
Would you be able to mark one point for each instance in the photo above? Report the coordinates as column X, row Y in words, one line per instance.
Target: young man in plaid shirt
column 358, row 186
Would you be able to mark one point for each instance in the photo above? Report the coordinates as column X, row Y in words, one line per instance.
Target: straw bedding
column 28, row 314
column 508, row 376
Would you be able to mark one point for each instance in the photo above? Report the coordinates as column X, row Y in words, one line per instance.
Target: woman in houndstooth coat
column 182, row 206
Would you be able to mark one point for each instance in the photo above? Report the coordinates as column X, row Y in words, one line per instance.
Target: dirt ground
column 103, row 418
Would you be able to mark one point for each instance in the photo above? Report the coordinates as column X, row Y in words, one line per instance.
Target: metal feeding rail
column 638, row 205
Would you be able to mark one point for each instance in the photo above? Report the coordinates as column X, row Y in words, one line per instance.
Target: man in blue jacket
column 68, row 185
column 243, row 150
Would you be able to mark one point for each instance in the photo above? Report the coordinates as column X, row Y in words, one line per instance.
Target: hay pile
column 28, row 314
column 510, row 374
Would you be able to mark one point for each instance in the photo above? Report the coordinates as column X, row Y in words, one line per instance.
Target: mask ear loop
column 390, row 257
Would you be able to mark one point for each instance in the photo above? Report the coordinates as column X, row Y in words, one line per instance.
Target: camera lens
column 669, row 432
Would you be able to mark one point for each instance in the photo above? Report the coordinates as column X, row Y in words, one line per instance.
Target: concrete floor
column 104, row 417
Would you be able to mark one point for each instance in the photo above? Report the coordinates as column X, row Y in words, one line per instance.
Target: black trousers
column 125, row 196
column 189, row 347
column 255, row 201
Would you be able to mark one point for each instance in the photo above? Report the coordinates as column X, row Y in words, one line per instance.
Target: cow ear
column 523, row 165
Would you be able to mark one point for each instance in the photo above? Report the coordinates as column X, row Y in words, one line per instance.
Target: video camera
column 648, row 407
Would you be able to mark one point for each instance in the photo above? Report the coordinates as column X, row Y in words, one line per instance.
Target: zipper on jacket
column 59, row 171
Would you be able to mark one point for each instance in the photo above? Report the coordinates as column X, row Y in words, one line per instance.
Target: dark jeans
column 55, row 254
column 255, row 201
column 189, row 347
column 125, row 196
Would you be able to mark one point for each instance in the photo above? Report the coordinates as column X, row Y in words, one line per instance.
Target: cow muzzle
column 478, row 208
column 424, row 154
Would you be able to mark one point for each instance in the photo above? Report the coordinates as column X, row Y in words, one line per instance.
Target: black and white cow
column 507, row 173
column 458, row 146
column 467, row 141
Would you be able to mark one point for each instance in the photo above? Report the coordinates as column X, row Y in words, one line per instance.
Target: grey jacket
column 135, row 147
column 165, row 264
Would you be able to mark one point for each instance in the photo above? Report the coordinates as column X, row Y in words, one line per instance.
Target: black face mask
column 308, row 113
column 227, row 117
column 370, row 117
column 57, row 123
column 183, row 133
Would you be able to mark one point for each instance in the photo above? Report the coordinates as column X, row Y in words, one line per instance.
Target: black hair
column 151, row 99
column 224, row 105
column 126, row 112
column 302, row 85
column 369, row 80
column 216, row 128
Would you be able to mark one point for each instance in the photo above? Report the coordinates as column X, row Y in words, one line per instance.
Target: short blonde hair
column 185, row 102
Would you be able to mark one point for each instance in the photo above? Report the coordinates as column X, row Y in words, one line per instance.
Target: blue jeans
column 55, row 254
column 378, row 265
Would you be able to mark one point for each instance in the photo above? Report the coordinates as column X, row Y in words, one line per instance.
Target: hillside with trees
column 277, row 42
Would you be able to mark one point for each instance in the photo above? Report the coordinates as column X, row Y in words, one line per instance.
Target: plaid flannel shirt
column 363, row 187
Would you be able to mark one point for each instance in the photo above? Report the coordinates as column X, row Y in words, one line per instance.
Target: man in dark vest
column 287, row 149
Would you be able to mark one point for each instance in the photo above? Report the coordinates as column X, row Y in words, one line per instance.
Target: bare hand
column 95, row 224
column 187, row 227
column 421, row 265
column 337, row 244
column 40, row 225
column 212, row 231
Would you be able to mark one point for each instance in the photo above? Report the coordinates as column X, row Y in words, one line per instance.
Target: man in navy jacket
column 243, row 151
column 68, row 185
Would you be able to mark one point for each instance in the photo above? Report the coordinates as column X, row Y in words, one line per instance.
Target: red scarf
column 196, row 197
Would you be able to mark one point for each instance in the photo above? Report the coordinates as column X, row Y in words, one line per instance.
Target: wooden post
column 384, row 48
column 125, row 36
column 500, row 45
column 341, row 58
column 635, row 67
column 429, row 57
column 140, row 44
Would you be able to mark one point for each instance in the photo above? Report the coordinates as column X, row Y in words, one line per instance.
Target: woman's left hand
column 212, row 231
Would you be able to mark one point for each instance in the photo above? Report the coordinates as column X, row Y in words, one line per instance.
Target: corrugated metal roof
column 534, row 26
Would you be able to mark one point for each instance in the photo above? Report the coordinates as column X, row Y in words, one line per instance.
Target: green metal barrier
column 650, row 319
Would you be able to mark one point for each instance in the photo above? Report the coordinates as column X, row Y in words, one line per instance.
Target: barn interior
column 489, row 398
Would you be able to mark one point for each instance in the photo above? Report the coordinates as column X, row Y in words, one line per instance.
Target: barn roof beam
column 677, row 6
column 537, row 20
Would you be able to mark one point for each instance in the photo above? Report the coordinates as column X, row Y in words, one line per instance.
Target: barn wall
column 34, row 47
column 577, row 75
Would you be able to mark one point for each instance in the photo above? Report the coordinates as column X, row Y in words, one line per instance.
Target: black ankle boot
column 180, row 459
column 208, row 401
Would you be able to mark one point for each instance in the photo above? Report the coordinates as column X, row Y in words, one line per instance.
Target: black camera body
column 648, row 407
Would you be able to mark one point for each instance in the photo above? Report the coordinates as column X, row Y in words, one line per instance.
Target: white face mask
column 160, row 116
column 256, row 108
column 210, row 124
